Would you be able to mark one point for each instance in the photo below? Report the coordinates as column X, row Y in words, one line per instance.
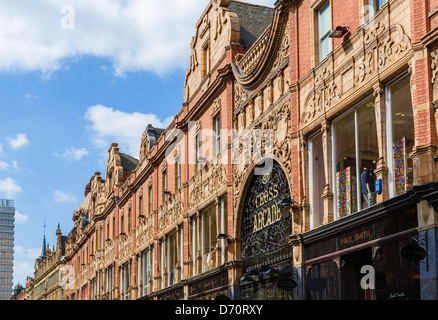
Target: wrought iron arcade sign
column 265, row 225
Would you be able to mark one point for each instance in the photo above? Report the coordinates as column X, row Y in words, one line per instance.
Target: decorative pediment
column 217, row 28
column 114, row 171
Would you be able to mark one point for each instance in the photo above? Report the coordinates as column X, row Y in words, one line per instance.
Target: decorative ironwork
column 265, row 225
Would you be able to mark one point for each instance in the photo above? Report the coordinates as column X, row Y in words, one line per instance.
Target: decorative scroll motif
column 240, row 94
column 216, row 106
column 282, row 138
column 100, row 258
column 325, row 94
column 283, row 52
column 434, row 64
column 209, row 179
column 280, row 144
column 110, row 253
column 384, row 46
column 83, row 275
column 125, row 249
column 265, row 226
column 92, row 267
column 144, row 233
column 170, row 212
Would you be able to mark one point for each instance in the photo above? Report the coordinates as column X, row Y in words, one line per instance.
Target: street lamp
column 338, row 32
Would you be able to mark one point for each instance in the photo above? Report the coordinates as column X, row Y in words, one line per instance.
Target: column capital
column 378, row 89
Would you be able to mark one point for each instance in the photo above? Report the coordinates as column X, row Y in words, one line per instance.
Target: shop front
column 265, row 228
column 360, row 257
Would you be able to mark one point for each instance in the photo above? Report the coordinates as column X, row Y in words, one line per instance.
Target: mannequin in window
column 367, row 186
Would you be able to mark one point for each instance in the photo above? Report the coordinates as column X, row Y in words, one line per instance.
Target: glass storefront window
column 172, row 258
column 209, row 226
column 368, row 152
column 355, row 149
column 401, row 136
column 396, row 278
column 345, row 165
column 323, row 282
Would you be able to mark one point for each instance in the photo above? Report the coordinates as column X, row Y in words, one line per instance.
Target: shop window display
column 402, row 140
column 356, row 155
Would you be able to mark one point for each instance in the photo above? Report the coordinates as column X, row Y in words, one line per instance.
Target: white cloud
column 27, row 253
column 6, row 166
column 9, row 188
column 20, row 218
column 30, row 96
column 136, row 35
column 22, row 269
column 24, row 261
column 109, row 125
column 73, row 154
column 20, row 141
column 60, row 196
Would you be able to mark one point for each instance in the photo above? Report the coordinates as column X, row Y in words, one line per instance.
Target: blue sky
column 73, row 79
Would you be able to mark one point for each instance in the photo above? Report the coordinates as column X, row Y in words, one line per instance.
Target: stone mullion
column 381, row 170
column 217, row 253
column 199, row 238
column 327, row 194
column 302, row 223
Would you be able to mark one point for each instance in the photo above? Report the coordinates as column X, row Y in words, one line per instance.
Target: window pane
column 210, row 232
column 396, row 277
column 324, row 28
column 323, row 282
column 402, row 135
column 381, row 3
column 368, row 151
column 324, row 24
column 345, row 161
column 324, row 48
column 318, row 180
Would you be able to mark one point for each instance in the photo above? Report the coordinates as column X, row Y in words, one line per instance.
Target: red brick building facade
column 319, row 89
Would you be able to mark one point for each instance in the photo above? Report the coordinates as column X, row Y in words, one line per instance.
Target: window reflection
column 368, row 152
column 356, row 156
column 402, row 135
column 323, row 282
column 346, row 180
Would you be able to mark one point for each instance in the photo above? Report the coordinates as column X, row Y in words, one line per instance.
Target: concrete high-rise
column 7, row 221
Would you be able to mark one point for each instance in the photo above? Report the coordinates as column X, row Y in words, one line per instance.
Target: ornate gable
column 217, row 28
column 114, row 169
